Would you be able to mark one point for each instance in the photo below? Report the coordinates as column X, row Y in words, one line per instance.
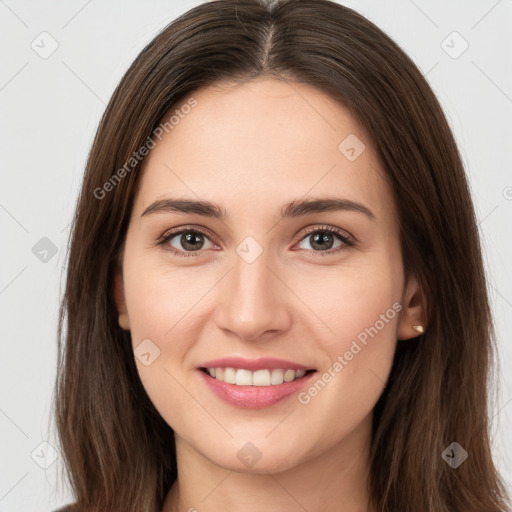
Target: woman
column 275, row 296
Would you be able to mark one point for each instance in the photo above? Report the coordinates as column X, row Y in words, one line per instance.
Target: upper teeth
column 242, row 377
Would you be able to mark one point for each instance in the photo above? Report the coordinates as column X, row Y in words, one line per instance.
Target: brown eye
column 323, row 240
column 185, row 242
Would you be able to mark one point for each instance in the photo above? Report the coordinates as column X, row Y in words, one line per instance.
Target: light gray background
column 49, row 111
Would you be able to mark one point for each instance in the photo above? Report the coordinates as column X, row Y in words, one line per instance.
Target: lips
column 263, row 363
column 254, row 383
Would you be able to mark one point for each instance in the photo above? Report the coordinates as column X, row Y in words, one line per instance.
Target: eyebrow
column 296, row 208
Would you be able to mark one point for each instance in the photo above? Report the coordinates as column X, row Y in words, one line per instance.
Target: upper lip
column 262, row 363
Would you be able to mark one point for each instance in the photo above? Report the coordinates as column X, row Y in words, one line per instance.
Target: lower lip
column 254, row 397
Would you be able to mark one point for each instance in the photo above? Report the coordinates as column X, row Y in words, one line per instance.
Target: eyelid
column 346, row 238
column 171, row 233
column 313, row 228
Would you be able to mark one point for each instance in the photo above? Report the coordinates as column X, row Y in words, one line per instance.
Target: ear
column 413, row 311
column 123, row 319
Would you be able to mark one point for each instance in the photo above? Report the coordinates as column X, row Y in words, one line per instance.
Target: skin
column 251, row 149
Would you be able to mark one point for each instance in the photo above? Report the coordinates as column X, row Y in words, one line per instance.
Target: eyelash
column 169, row 235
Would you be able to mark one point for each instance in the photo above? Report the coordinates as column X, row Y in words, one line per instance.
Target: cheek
column 160, row 301
column 156, row 308
column 346, row 300
column 158, row 315
column 361, row 308
column 164, row 307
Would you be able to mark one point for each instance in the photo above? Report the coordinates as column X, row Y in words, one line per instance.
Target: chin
column 255, row 458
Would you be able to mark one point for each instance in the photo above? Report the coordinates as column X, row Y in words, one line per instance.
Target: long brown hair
column 119, row 452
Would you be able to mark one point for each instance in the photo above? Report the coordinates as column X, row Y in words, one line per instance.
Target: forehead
column 263, row 143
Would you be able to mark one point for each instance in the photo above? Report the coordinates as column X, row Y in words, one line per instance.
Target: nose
column 253, row 301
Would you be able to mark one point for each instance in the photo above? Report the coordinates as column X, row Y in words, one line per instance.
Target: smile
column 264, row 377
column 257, row 389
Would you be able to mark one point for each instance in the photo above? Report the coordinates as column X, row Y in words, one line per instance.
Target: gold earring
column 418, row 328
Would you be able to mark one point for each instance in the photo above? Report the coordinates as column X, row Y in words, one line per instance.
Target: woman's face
column 256, row 275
